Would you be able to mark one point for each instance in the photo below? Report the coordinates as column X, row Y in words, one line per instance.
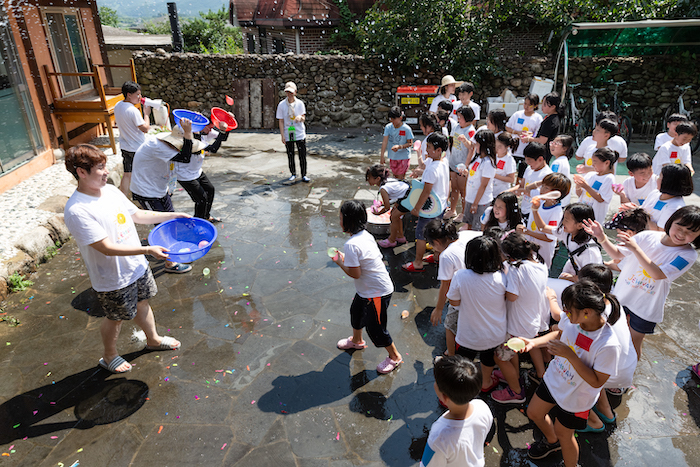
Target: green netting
column 635, row 41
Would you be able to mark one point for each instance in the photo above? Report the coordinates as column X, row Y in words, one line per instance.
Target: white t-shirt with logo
column 551, row 216
column 526, row 315
column 438, row 173
column 152, row 167
column 588, row 147
column 504, row 166
column 91, row 219
column 599, row 350
column 452, row 259
column 628, row 355
column 561, row 165
column 591, row 255
column 603, row 185
column 459, row 443
column 521, row 122
column 460, row 151
column 298, row 128
column 482, row 167
column 530, row 177
column 362, row 251
column 635, row 288
column 129, row 119
column 669, row 153
column 638, row 195
column 660, row 210
column 395, row 189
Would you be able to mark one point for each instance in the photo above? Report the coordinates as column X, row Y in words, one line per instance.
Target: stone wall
column 351, row 91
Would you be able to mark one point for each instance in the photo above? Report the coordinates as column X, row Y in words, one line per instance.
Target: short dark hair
column 559, row 182
column 609, row 126
column 676, row 118
column 584, row 294
column 483, row 254
column 446, row 105
column 567, row 142
column 354, row 215
column 84, row 156
column 687, row 128
column 377, row 170
column 440, row 229
column 534, row 151
column 689, row 217
column 607, row 155
column 636, row 220
column 606, row 115
column 130, row 87
column 396, row 112
column 438, row 140
column 507, row 139
column 466, row 112
column 499, row 118
column 599, row 274
column 638, row 160
column 458, row 378
column 428, row 119
column 465, row 87
column 676, row 180
column 518, row 248
column 534, row 99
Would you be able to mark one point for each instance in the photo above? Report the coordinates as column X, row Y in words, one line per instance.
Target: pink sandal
column 348, row 344
column 388, row 365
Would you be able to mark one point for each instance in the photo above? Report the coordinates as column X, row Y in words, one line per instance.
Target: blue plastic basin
column 182, row 237
column 198, row 120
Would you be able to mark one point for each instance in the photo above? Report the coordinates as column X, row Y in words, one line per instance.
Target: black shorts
column 486, row 356
column 639, row 324
column 364, row 314
column 163, row 204
column 570, row 420
column 128, row 158
column 120, row 304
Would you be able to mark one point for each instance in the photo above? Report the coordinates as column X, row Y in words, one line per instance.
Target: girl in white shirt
column 595, row 188
column 462, row 138
column 562, row 150
column 505, row 213
column 586, row 353
column 506, row 169
column 481, row 171
column 674, row 183
column 362, row 261
column 392, row 191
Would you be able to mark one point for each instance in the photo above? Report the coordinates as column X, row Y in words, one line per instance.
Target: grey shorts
column 451, row 319
column 120, row 304
column 474, row 219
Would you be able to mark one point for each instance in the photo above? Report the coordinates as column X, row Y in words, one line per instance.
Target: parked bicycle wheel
column 626, row 128
column 695, row 143
column 582, row 129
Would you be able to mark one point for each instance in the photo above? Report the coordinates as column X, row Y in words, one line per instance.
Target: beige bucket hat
column 177, row 138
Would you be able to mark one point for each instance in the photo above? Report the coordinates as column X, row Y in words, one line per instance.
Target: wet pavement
column 259, row 381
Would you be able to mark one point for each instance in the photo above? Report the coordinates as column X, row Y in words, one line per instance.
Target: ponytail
column 378, row 170
column 585, row 294
column 518, row 249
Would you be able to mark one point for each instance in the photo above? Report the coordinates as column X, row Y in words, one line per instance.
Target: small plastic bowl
column 198, row 120
column 182, row 237
column 220, row 115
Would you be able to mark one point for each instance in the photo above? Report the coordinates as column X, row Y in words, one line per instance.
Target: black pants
column 202, row 193
column 301, row 147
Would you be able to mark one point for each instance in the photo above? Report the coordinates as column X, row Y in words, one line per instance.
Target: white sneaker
column 292, row 178
column 305, row 179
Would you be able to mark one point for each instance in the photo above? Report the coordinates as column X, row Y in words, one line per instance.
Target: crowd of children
column 520, row 201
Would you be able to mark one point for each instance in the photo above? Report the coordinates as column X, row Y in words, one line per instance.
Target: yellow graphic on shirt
column 121, row 219
column 525, row 128
column 677, row 161
column 172, row 166
column 472, row 173
column 646, row 274
column 589, row 162
column 533, row 226
column 588, row 195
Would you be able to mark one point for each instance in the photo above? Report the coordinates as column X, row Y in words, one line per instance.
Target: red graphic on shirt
column 472, row 133
column 500, row 165
column 402, row 133
column 475, row 165
column 584, row 342
column 553, row 223
column 674, row 154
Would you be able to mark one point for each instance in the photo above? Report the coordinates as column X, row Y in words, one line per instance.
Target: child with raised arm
column 676, row 151
column 595, row 188
column 653, row 261
column 457, row 438
column 562, row 150
column 362, row 261
column 398, row 138
column 101, row 220
column 586, row 353
column 641, row 181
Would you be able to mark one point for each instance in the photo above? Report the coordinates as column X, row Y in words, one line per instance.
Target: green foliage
column 161, row 27
column 52, row 250
column 345, row 36
column 108, row 16
column 17, row 283
column 211, row 33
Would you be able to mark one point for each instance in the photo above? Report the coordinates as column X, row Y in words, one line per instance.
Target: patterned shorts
column 121, row 304
column 451, row 319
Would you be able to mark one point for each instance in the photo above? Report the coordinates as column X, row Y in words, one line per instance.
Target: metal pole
column 175, row 27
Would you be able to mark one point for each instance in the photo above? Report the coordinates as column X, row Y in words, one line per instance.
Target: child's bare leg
column 454, row 195
column 538, row 412
column 603, row 405
column 357, row 336
column 462, row 189
column 486, row 375
column 594, row 420
column 450, row 340
column 396, row 225
column 569, row 446
column 393, row 353
column 420, row 252
column 399, row 223
column 537, row 362
column 511, row 373
column 637, row 339
column 109, row 330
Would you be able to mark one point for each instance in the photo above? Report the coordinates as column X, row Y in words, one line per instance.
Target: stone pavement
column 259, row 381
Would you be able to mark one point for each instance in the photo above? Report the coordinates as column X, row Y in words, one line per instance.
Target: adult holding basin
column 291, row 115
column 101, row 220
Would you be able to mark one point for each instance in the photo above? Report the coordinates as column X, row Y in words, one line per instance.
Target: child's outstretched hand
column 529, row 345
column 436, row 317
column 157, row 251
column 594, row 228
column 223, row 126
column 617, row 188
column 560, row 349
column 339, row 258
column 625, row 239
column 627, row 207
column 579, row 180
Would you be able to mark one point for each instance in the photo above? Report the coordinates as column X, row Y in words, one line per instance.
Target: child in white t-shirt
column 480, row 173
column 586, row 353
column 362, row 261
column 676, row 151
column 674, row 183
column 562, row 150
column 450, row 245
column 505, row 213
column 458, row 437
column 602, row 134
column 652, row 261
column 537, row 169
column 464, row 94
column 549, row 211
column 671, row 123
column 595, row 188
column 641, row 181
column 460, row 154
column 526, row 302
column 392, row 192
column 506, row 169
column 478, row 292
column 525, row 122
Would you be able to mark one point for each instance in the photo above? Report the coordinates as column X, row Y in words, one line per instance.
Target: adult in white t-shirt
column 101, row 220
column 291, row 115
column 132, row 128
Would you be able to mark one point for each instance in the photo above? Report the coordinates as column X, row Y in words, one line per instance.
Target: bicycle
column 572, row 117
column 679, row 107
column 619, row 107
column 586, row 122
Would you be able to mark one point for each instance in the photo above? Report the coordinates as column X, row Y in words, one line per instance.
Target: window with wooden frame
column 68, row 46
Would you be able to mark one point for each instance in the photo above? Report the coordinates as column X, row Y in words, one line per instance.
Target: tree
column 211, row 33
column 108, row 16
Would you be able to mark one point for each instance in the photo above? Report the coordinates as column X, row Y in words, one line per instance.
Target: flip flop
column 114, row 364
column 430, row 259
column 165, row 344
column 409, row 267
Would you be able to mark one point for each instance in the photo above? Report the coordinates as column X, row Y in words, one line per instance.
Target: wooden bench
column 93, row 106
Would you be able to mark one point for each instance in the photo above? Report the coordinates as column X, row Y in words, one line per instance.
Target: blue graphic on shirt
column 428, row 454
column 521, row 121
column 659, row 205
column 679, row 263
column 597, row 184
column 555, row 168
column 641, row 201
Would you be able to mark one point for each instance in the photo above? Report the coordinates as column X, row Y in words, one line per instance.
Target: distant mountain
column 147, row 9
